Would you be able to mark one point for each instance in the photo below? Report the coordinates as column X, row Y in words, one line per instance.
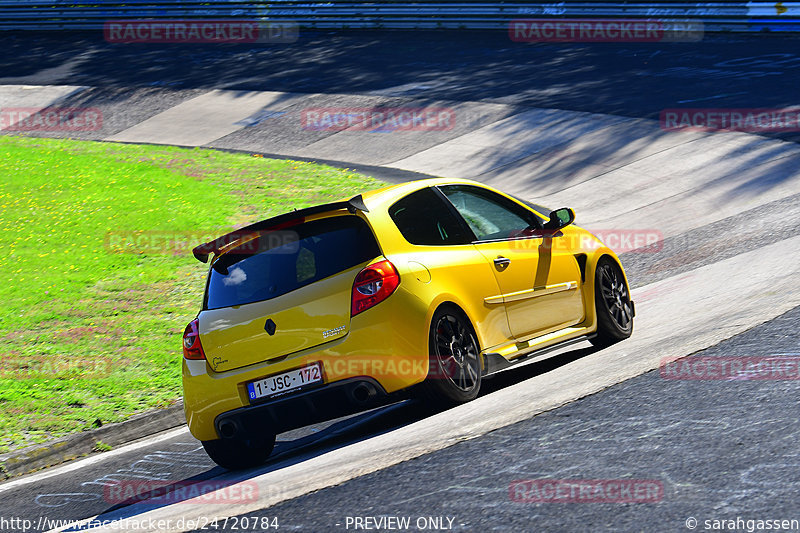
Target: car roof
column 375, row 199
column 391, row 193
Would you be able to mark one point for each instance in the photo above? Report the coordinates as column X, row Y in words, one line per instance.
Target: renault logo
column 269, row 327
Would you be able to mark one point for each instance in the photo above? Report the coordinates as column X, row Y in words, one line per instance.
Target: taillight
column 373, row 285
column 192, row 349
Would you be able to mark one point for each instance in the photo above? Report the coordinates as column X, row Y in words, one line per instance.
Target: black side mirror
column 560, row 218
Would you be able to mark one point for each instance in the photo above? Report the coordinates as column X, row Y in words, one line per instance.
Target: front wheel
column 237, row 454
column 612, row 304
column 454, row 372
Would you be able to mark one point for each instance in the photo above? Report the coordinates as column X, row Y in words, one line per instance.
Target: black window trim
column 450, row 207
column 453, row 211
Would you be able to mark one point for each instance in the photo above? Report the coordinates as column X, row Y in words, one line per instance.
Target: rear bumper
column 330, row 401
column 387, row 344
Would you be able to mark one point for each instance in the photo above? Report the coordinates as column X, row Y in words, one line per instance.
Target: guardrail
column 335, row 14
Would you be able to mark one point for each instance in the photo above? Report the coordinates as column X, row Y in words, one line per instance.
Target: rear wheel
column 237, row 454
column 612, row 304
column 454, row 371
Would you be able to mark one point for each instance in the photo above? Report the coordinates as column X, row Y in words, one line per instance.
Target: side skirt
column 494, row 362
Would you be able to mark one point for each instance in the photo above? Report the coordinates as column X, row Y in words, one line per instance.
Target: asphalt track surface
column 677, row 432
column 721, row 449
column 628, row 79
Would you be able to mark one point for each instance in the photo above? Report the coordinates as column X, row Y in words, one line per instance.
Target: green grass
column 90, row 334
column 101, row 446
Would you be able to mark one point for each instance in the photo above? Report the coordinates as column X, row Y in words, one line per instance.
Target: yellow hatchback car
column 422, row 288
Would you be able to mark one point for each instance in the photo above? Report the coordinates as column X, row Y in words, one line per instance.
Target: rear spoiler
column 203, row 251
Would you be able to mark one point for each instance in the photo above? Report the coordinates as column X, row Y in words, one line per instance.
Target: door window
column 489, row 215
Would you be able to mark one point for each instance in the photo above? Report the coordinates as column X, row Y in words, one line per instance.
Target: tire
column 454, row 371
column 237, row 454
column 612, row 304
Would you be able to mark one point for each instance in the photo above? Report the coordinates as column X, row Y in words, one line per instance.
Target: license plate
column 286, row 382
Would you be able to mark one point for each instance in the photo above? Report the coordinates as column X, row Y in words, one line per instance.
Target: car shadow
column 303, row 444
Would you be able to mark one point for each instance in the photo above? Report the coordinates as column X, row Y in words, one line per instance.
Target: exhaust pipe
column 364, row 392
column 227, row 429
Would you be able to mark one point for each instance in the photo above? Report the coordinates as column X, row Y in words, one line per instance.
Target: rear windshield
column 289, row 259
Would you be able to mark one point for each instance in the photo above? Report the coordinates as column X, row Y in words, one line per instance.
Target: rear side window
column 302, row 255
column 423, row 217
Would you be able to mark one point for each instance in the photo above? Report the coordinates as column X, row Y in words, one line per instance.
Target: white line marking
column 81, row 463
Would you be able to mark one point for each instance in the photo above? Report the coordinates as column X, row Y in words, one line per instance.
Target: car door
column 443, row 258
column 539, row 281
